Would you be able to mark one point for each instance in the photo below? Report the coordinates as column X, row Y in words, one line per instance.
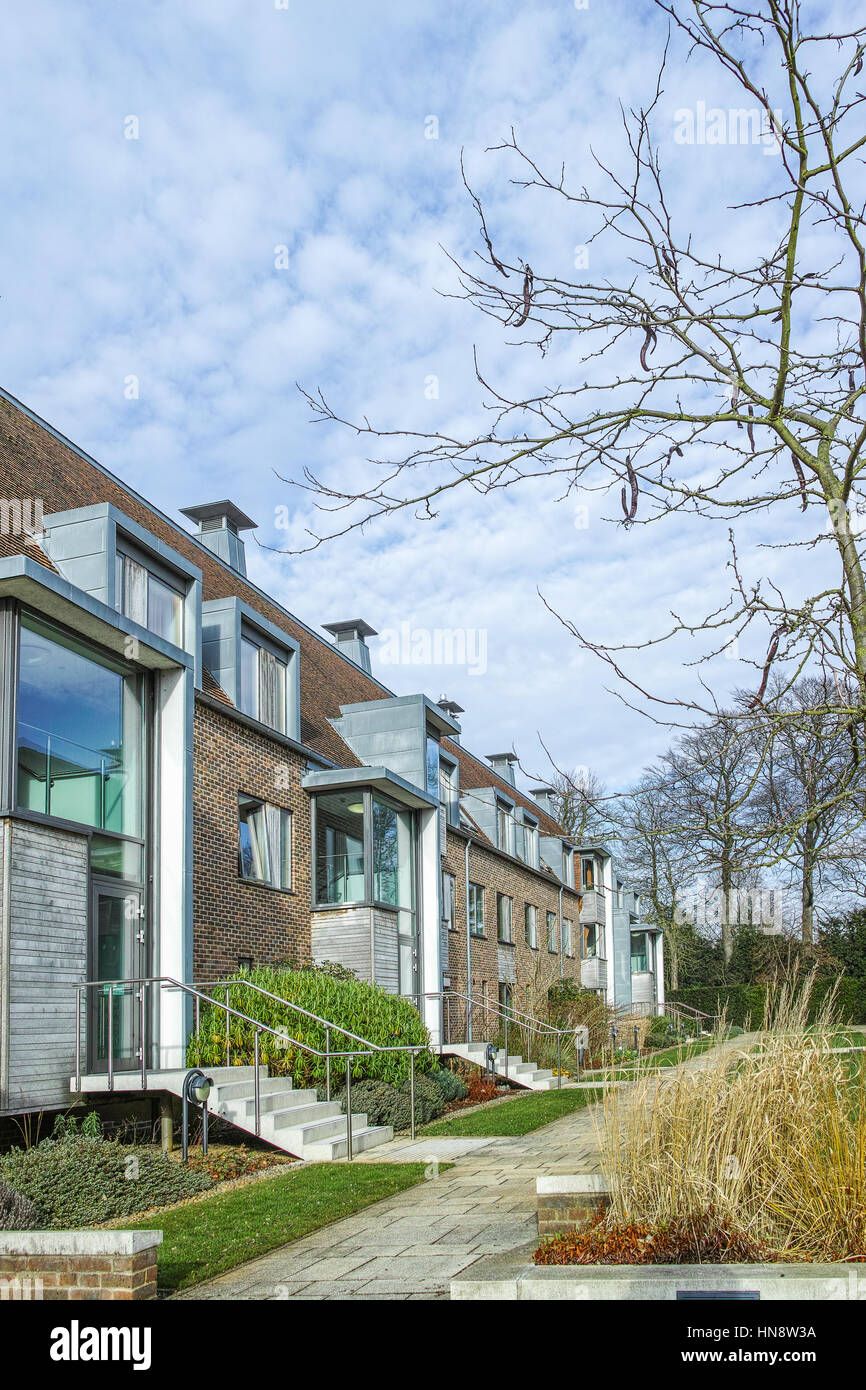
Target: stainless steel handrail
column 195, row 990
column 167, row 982
column 523, row 1020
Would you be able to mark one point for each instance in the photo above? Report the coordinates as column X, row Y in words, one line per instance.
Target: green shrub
column 77, row 1180
column 17, row 1213
column 744, row 1004
column 451, row 1084
column 366, row 1010
column 384, row 1104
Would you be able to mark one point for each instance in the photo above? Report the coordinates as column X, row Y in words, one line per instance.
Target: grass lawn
column 204, row 1238
column 519, row 1116
column 666, row 1057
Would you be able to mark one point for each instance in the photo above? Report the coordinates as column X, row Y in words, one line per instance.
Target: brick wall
column 533, row 971
column 76, row 1265
column 233, row 917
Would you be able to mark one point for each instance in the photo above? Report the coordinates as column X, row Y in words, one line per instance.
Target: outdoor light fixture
column 196, row 1089
column 356, row 808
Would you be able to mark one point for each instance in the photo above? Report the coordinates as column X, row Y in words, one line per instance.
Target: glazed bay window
column 263, row 683
column 591, row 939
column 476, row 909
column 80, row 731
column 551, row 933
column 364, row 852
column 504, row 906
column 264, row 843
column 588, row 873
column 150, row 599
column 448, row 791
column 640, row 956
column 530, row 914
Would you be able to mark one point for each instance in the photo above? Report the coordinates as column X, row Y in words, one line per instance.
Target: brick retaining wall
column 72, row 1265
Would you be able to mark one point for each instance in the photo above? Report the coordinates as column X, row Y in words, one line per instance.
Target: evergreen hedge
column 746, row 1002
column 367, row 1010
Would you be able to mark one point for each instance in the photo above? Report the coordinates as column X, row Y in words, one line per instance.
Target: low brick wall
column 569, row 1202
column 70, row 1265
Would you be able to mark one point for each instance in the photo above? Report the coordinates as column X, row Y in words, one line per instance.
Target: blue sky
column 156, row 259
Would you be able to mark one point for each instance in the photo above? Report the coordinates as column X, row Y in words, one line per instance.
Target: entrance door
column 117, row 954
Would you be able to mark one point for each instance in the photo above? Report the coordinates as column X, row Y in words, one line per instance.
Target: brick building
column 194, row 781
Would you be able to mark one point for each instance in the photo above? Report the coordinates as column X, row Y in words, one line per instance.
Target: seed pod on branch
column 648, row 342
column 630, row 507
column 750, row 431
column 801, row 482
column 527, row 297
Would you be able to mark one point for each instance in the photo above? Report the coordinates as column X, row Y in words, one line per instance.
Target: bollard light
column 196, row 1089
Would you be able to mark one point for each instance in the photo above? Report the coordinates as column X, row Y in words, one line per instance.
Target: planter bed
column 512, row 1277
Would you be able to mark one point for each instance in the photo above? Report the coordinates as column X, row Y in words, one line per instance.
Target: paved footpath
column 412, row 1245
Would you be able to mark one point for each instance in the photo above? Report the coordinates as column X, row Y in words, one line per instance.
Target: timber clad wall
column 44, row 955
column 233, row 917
column 533, row 970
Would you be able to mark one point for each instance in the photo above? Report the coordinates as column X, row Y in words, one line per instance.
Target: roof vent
column 351, row 639
column 452, row 709
column 503, row 763
column 219, row 527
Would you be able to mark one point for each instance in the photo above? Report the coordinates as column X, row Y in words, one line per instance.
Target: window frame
column 472, row 909
column 286, row 833
column 449, row 896
column 552, row 934
column 126, row 550
column 530, row 925
column 501, row 900
column 283, row 658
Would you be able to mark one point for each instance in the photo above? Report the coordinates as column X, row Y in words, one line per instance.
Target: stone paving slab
column 412, row 1245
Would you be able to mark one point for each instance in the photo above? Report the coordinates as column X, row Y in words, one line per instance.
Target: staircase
column 520, row 1073
column 294, row 1121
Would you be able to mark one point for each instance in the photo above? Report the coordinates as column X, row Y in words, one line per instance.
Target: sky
column 208, row 202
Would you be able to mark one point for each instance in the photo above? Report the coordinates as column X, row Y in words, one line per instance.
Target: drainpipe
column 468, row 953
column 562, row 957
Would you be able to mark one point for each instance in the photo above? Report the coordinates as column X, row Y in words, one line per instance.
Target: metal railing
column 508, row 1014
column 143, row 988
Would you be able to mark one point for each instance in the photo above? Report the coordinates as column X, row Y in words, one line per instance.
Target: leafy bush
column 364, row 1009
column 17, row 1213
column 78, row 1180
column 451, row 1084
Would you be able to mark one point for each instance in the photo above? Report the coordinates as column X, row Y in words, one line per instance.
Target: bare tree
column 581, row 805
column 657, row 861
column 714, row 385
column 807, row 828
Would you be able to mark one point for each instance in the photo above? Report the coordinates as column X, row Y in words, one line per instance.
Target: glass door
column 117, row 954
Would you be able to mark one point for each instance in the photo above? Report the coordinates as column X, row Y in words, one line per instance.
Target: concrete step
column 329, row 1150
column 278, row 1100
column 240, row 1090
column 290, row 1136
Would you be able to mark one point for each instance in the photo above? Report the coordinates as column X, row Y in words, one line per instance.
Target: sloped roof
column 36, row 458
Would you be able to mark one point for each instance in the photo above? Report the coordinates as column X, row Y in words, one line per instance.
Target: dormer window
column 449, row 796
column 532, row 852
column 148, row 598
column 505, row 828
column 568, row 866
column 263, row 683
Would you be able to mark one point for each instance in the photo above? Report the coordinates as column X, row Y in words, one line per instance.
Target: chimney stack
column 545, row 797
column 452, row 709
column 503, row 763
column 350, row 639
column 219, row 527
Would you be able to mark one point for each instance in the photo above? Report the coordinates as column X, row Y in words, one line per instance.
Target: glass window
column 505, row 829
column 116, row 858
column 589, row 873
column 448, row 795
column 80, row 733
column 148, row 600
column 449, row 902
column 340, row 874
column 264, row 843
column 551, row 932
column 393, row 854
column 531, row 925
column 532, row 845
column 432, row 766
column 503, row 917
column 639, row 954
column 476, row 909
column 568, row 936
column 590, row 939
column 263, row 685
column 567, row 877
